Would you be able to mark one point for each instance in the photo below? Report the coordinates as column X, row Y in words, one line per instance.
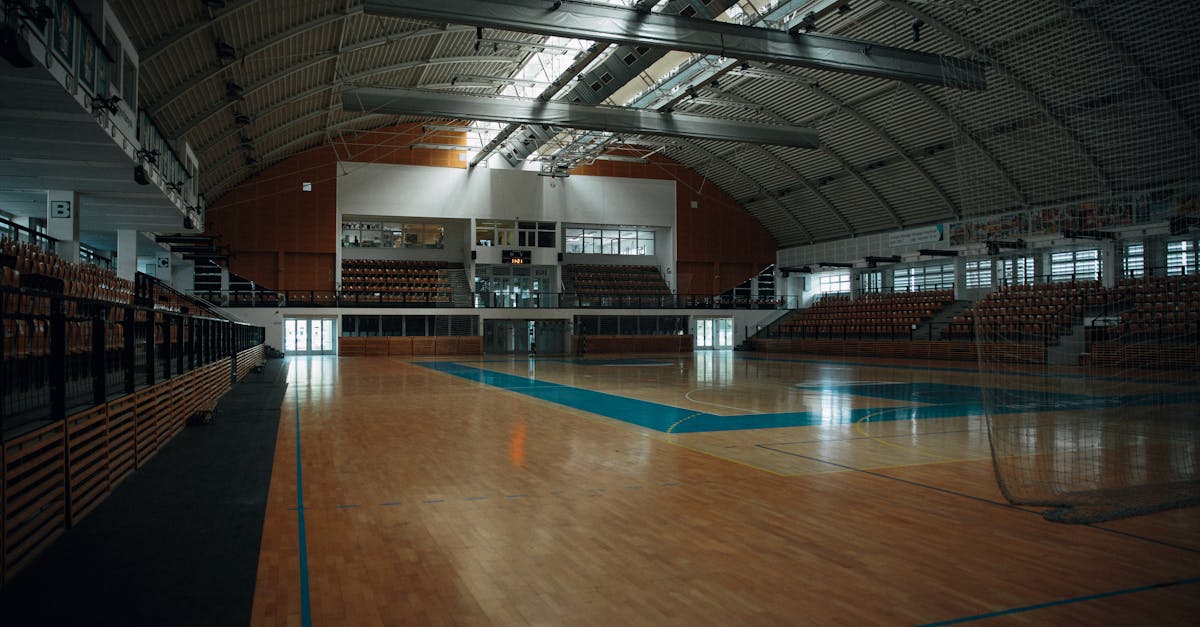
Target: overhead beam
column 624, row 26
column 400, row 101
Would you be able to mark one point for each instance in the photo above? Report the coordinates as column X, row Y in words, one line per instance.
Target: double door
column 714, row 333
column 308, row 336
column 514, row 337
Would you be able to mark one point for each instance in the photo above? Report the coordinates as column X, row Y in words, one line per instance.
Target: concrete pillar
column 62, row 222
column 127, row 244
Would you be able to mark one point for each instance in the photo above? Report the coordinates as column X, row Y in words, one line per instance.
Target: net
column 1069, row 169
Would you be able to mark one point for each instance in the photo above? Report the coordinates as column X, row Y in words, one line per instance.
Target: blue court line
column 305, row 609
column 949, row 401
column 1042, row 375
column 1039, row 606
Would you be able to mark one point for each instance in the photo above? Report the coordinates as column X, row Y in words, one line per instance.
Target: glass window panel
column 327, row 335
column 629, row 247
column 628, row 234
column 545, row 239
column 301, row 336
column 607, row 233
column 647, row 247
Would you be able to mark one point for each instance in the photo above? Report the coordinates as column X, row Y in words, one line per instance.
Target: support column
column 127, row 253
column 62, row 222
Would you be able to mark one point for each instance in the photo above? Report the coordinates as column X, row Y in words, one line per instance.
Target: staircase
column 460, row 290
column 1069, row 348
column 941, row 321
column 768, row 330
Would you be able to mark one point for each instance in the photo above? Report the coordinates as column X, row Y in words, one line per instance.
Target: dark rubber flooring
column 177, row 543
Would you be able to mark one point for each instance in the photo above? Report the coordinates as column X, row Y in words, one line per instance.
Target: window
column 609, row 240
column 834, row 283
column 536, row 234
column 871, row 282
column 1133, row 263
column 1016, row 271
column 128, row 81
column 1075, row 265
column 923, row 278
column 978, row 273
column 1181, row 257
column 360, row 233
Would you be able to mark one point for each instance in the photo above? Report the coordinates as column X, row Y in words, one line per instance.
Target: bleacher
column 394, row 281
column 97, row 374
column 869, row 315
column 612, row 280
column 1040, row 312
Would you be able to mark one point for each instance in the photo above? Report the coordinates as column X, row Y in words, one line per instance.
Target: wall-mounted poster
column 87, row 63
column 63, row 42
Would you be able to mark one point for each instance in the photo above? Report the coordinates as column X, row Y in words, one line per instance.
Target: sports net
column 1077, row 176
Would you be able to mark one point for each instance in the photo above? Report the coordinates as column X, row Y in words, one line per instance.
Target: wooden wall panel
column 719, row 244
column 269, row 215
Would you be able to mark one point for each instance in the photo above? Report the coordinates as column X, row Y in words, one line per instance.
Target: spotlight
column 234, row 91
column 844, row 9
column 557, row 4
column 917, row 25
column 150, row 156
column 139, row 175
column 176, row 186
column 745, row 65
column 242, row 119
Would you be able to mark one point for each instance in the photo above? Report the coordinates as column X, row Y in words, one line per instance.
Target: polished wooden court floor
column 707, row 489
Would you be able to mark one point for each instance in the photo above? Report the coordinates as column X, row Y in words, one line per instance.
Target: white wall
column 376, row 189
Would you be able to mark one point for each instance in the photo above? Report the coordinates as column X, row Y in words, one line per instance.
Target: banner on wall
column 1115, row 212
column 912, row 237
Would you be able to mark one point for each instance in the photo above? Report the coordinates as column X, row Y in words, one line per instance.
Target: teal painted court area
column 926, row 400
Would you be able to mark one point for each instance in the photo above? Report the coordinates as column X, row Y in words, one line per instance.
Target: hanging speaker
column 139, row 175
column 473, row 253
column 560, row 257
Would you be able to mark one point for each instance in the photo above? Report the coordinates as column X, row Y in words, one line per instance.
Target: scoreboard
column 517, row 257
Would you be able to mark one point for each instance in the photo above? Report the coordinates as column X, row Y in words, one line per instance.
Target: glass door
column 308, row 336
column 714, row 333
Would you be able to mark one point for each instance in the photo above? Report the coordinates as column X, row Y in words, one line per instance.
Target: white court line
column 688, row 396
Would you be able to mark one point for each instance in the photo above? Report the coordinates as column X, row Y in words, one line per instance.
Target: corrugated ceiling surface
column 1085, row 98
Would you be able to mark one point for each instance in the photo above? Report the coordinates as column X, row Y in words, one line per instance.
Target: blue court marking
column 1039, row 606
column 616, row 362
column 944, row 401
column 1040, row 375
column 305, row 608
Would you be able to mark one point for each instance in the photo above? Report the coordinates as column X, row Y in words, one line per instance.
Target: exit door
column 308, row 336
column 514, row 337
column 714, row 333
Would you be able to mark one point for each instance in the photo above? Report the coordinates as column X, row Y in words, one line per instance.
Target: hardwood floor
column 456, row 493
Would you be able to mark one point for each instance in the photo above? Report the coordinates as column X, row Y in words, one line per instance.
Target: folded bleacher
column 394, row 281
column 614, row 280
column 869, row 315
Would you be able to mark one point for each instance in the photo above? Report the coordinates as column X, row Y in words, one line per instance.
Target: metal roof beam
column 571, row 115
column 625, row 26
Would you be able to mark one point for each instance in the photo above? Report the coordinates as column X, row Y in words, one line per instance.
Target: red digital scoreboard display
column 516, row 257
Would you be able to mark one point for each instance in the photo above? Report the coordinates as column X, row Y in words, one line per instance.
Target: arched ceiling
column 1084, row 98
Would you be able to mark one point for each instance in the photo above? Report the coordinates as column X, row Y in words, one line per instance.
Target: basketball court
column 706, row 488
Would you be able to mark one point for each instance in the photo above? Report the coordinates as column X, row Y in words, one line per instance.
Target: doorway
column 515, row 337
column 308, row 336
column 714, row 333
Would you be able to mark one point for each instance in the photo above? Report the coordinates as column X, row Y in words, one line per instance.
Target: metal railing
column 487, row 300
column 61, row 352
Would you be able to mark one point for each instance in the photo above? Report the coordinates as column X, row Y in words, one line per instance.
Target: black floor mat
column 177, row 543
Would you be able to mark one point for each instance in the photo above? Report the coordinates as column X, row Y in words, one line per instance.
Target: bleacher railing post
column 99, row 346
column 58, row 359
